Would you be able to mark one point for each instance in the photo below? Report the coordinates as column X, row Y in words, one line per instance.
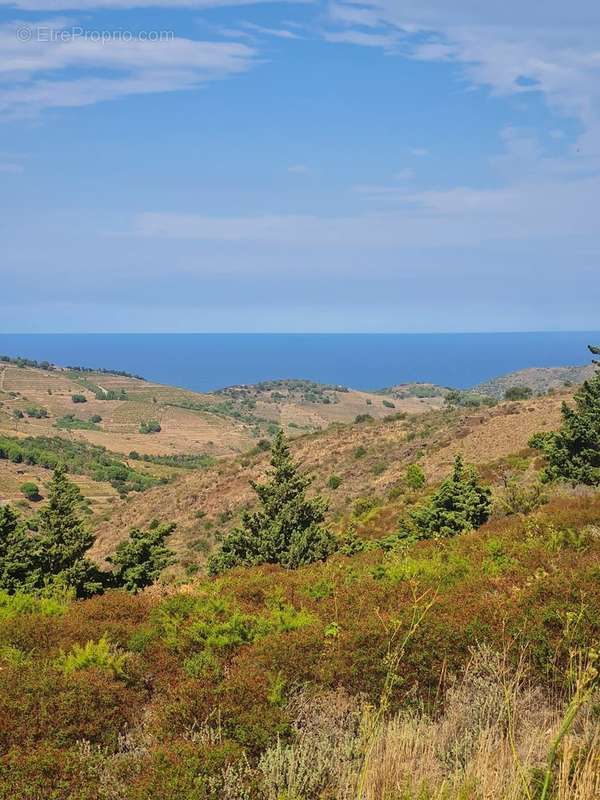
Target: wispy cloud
column 80, row 71
column 279, row 33
column 299, row 169
column 543, row 208
column 84, row 5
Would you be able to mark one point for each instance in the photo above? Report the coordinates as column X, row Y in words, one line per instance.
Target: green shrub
column 518, row 393
column 334, row 482
column 99, row 655
column 389, row 404
column 151, row 426
column 79, row 398
column 31, row 490
column 414, row 477
column 360, row 452
column 37, row 412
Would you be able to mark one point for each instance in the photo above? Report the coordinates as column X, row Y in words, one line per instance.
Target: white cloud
column 536, row 209
column 362, row 38
column 278, row 33
column 44, row 74
column 84, row 5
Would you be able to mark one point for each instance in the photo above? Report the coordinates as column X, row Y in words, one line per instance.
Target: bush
column 99, row 655
column 79, row 398
column 151, row 426
column 414, row 477
column 518, row 393
column 31, row 490
column 334, row 482
column 37, row 412
column 96, row 418
column 389, row 404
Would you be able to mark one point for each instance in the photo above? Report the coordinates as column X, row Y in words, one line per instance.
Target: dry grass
column 491, row 742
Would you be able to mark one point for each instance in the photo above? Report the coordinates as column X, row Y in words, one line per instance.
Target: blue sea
column 363, row 361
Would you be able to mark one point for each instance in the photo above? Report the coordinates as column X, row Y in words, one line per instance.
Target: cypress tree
column 63, row 540
column 460, row 504
column 19, row 570
column 287, row 527
column 574, row 451
column 140, row 559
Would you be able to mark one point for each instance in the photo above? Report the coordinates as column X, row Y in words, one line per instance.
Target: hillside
column 459, row 667
column 369, row 458
column 538, row 379
column 37, row 403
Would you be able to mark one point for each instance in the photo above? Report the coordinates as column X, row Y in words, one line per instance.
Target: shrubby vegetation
column 150, row 426
column 82, row 458
column 518, row 393
column 37, row 412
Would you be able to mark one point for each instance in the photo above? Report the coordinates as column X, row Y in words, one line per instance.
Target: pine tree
column 63, row 540
column 286, row 529
column 140, row 559
column 460, row 504
column 19, row 569
column 574, row 452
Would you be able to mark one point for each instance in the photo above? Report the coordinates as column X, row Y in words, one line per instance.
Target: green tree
column 63, row 539
column 19, row 569
column 139, row 560
column 460, row 504
column 286, row 529
column 574, row 451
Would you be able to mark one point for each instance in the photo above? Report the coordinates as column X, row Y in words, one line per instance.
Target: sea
column 207, row 361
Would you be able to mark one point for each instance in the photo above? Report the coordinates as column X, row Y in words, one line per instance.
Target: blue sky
column 212, row 165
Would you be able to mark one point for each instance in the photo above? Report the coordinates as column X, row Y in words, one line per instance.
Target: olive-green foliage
column 287, row 529
column 79, row 398
column 518, row 393
column 36, row 412
column 574, row 451
column 151, row 426
column 334, row 482
column 82, row 458
column 139, row 560
column 414, row 477
column 460, row 504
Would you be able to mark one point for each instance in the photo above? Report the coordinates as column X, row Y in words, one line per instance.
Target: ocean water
column 362, row 361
